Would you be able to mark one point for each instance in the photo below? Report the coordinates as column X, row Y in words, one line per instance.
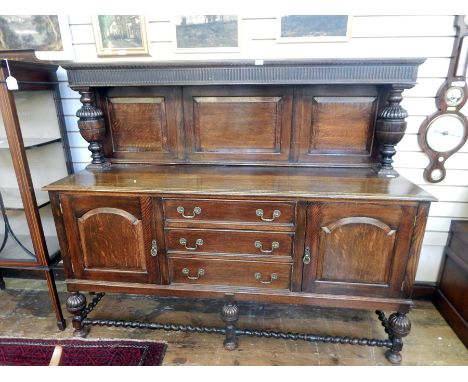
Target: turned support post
column 230, row 315
column 398, row 326
column 76, row 303
column 390, row 129
column 92, row 128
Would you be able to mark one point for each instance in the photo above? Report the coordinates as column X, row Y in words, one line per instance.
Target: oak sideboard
column 230, row 180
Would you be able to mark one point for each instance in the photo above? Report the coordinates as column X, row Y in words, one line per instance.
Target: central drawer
column 261, row 243
column 233, row 273
column 240, row 211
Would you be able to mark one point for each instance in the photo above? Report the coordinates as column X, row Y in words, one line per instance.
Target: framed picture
column 203, row 33
column 123, row 35
column 48, row 35
column 313, row 28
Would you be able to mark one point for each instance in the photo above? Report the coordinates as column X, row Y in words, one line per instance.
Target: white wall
column 373, row 36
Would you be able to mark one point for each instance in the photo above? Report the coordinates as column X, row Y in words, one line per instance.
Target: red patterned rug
column 36, row 352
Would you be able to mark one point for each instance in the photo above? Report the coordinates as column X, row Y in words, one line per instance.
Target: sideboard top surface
column 378, row 71
column 279, row 182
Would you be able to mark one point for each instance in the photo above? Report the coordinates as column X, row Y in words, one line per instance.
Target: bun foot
column 397, row 326
column 81, row 332
column 231, row 345
column 76, row 304
column 393, row 357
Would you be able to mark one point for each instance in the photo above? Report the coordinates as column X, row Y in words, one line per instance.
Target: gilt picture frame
column 120, row 35
column 48, row 35
column 207, row 34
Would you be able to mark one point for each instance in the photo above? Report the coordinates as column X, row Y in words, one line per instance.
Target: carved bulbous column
column 390, row 129
column 230, row 315
column 92, row 128
column 399, row 326
column 76, row 304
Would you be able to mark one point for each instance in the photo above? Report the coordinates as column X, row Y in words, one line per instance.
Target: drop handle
column 258, row 276
column 196, row 211
column 198, row 243
column 200, row 273
column 274, row 245
column 260, row 213
column 154, row 248
column 306, row 258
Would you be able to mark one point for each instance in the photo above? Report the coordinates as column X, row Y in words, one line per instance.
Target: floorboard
column 25, row 312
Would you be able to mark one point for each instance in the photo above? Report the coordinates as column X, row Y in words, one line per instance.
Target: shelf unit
column 33, row 152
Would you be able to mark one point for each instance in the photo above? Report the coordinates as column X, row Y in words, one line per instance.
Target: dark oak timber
column 452, row 286
column 243, row 182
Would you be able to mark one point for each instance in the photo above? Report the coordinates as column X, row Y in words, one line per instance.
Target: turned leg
column 398, row 326
column 76, row 303
column 230, row 315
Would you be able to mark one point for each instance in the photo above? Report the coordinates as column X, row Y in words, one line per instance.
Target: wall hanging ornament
column 444, row 132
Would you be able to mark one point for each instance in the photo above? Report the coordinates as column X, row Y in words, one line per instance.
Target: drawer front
column 229, row 242
column 199, row 210
column 233, row 273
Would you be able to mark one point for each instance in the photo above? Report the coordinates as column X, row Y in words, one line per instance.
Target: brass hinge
column 402, row 286
column 415, row 220
column 61, row 210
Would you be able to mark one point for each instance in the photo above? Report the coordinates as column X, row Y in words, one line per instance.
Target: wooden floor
column 25, row 312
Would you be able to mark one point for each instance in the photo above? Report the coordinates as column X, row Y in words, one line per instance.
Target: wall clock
column 442, row 135
column 444, row 132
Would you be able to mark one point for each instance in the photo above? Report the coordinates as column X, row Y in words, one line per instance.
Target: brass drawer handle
column 276, row 214
column 273, row 277
column 198, row 243
column 274, row 245
column 196, row 211
column 200, row 273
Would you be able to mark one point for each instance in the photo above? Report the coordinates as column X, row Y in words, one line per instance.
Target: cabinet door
column 357, row 248
column 110, row 238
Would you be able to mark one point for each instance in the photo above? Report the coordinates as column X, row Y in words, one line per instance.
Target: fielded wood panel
column 343, row 257
column 336, row 126
column 353, row 135
column 110, row 238
column 130, row 132
column 357, row 247
column 142, row 125
column 238, row 124
column 225, row 272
